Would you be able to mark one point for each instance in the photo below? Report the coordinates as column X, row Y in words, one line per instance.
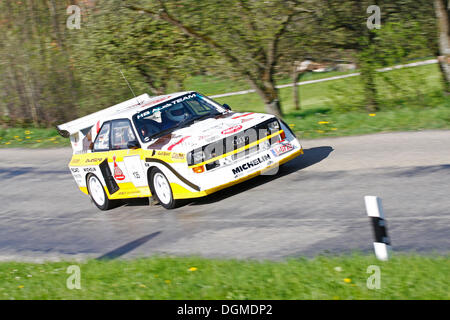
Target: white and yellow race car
column 178, row 146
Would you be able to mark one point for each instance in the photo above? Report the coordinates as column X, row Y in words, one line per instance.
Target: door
column 126, row 164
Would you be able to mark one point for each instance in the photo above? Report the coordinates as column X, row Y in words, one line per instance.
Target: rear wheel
column 97, row 193
column 161, row 189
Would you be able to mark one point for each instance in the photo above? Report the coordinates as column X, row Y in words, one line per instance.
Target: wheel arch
column 170, row 172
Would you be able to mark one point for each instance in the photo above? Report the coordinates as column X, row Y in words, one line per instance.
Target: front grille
column 231, row 143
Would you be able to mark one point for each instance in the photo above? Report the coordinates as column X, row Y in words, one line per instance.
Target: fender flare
column 173, row 171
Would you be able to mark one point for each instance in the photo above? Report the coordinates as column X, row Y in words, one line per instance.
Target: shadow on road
column 310, row 157
column 130, row 246
column 9, row 173
column 424, row 170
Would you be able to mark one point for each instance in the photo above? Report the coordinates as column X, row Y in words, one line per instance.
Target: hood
column 206, row 131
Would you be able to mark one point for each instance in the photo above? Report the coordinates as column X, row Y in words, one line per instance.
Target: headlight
column 274, row 125
column 198, row 156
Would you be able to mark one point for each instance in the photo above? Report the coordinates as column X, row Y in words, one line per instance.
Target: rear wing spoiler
column 72, row 127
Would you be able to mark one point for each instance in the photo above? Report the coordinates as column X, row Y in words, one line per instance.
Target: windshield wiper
column 203, row 117
column 161, row 133
column 167, row 130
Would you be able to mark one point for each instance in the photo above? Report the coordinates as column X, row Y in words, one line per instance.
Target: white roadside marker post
column 382, row 244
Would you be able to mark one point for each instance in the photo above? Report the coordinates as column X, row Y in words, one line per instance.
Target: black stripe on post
column 380, row 230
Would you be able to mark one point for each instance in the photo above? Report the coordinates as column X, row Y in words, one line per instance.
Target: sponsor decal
column 75, row 160
column 178, row 156
column 74, row 170
column 232, row 129
column 118, row 174
column 153, row 110
column 136, row 175
column 143, row 114
column 89, row 170
column 251, row 164
column 208, row 139
column 282, row 148
column 160, row 100
column 163, row 153
column 122, row 193
column 177, row 143
column 189, row 96
column 93, row 160
column 245, row 120
column 243, row 115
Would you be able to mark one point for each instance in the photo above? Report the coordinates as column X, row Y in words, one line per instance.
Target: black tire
column 96, row 195
column 166, row 196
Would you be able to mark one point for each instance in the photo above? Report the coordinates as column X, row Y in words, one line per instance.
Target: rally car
column 177, row 146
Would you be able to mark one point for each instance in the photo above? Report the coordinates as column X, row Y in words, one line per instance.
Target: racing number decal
column 135, row 170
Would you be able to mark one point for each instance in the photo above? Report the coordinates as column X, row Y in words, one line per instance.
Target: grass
column 212, row 85
column 31, row 138
column 410, row 99
column 337, row 277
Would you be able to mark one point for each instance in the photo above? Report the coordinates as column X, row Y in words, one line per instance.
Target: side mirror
column 226, row 106
column 134, row 144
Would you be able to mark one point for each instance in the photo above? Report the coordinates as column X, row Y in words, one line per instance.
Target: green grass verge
column 31, row 138
column 410, row 99
column 409, row 276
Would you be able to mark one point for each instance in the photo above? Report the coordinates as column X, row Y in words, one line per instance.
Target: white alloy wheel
column 162, row 188
column 96, row 191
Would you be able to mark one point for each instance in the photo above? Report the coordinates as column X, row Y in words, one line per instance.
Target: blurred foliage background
column 51, row 74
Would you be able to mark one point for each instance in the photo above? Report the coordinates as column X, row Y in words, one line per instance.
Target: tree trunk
column 295, row 78
column 269, row 93
column 442, row 15
column 370, row 91
column 274, row 107
column 368, row 72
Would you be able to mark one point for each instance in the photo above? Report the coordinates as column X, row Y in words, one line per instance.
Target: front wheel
column 161, row 189
column 97, row 193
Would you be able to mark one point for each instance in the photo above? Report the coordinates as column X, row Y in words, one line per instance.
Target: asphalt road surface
column 314, row 205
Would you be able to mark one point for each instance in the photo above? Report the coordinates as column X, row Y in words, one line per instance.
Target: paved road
column 314, row 205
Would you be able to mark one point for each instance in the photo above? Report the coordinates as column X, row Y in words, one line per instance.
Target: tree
column 245, row 34
column 345, row 23
column 152, row 48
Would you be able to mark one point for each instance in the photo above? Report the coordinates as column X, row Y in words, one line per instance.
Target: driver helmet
column 176, row 113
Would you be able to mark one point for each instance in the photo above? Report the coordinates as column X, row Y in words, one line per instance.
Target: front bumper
column 263, row 162
column 266, row 169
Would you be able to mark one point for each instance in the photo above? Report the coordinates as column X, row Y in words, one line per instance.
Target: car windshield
column 168, row 116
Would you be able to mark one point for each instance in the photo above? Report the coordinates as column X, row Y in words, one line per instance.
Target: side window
column 102, row 141
column 122, row 133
